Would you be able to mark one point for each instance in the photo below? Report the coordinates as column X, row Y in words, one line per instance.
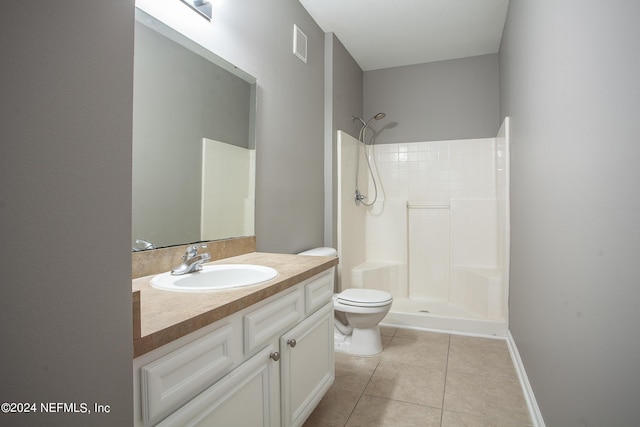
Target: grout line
column 362, row 393
column 444, row 387
column 372, row 374
column 511, row 348
column 353, row 409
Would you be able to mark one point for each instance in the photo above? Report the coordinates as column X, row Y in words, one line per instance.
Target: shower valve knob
column 292, row 343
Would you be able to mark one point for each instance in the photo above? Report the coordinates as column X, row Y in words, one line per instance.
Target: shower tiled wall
column 503, row 209
column 440, row 225
column 440, row 209
column 437, row 171
column 458, row 175
column 502, row 194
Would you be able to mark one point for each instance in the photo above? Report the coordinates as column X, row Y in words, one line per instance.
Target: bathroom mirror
column 193, row 141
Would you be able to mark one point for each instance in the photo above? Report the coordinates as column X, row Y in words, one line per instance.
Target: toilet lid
column 364, row 297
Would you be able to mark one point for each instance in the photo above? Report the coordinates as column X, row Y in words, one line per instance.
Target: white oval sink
column 215, row 277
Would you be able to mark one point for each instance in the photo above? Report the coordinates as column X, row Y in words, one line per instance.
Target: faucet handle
column 193, row 250
column 205, row 257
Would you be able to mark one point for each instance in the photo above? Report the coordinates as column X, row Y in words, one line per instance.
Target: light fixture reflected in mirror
column 203, row 7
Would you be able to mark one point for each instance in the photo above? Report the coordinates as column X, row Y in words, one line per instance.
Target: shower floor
column 439, row 315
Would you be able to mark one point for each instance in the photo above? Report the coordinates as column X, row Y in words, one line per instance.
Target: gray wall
column 290, row 132
column 343, row 86
column 347, row 89
column 436, row 101
column 179, row 98
column 569, row 80
column 65, row 209
column 290, row 151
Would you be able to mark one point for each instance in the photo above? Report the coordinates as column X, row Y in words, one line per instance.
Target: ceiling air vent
column 299, row 44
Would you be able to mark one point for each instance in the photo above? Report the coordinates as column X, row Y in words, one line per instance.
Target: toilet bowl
column 357, row 315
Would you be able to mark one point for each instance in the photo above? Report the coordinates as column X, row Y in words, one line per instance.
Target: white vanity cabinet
column 245, row 397
column 266, row 365
column 307, row 367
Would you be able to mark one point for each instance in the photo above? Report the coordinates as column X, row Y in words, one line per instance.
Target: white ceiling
column 390, row 33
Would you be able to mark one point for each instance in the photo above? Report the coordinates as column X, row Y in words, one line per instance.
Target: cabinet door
column 248, row 396
column 307, row 369
column 170, row 382
column 319, row 291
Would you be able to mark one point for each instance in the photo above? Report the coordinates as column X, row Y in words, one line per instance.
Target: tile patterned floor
column 425, row 379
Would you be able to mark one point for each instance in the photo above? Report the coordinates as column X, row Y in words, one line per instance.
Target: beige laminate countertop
column 165, row 316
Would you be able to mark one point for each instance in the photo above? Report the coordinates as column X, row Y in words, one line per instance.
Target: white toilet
column 357, row 314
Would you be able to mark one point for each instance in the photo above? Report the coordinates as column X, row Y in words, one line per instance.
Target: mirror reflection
column 202, row 7
column 193, row 142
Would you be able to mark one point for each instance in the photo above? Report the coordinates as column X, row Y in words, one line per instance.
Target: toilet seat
column 364, row 297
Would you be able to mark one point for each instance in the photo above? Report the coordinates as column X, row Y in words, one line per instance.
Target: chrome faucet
column 191, row 260
column 143, row 245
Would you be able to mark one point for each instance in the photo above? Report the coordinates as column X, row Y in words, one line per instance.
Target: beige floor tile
column 408, row 383
column 457, row 419
column 386, row 340
column 480, row 356
column 417, row 373
column 418, row 352
column 414, row 334
column 334, row 409
column 353, row 372
column 492, row 397
column 378, row 412
column 465, row 340
column 387, row 331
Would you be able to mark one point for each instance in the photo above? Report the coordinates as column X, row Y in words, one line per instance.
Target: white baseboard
column 532, row 405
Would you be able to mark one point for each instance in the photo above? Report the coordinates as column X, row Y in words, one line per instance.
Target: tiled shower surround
column 437, row 238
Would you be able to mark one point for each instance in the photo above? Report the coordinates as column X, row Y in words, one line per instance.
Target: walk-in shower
column 359, row 197
column 436, row 237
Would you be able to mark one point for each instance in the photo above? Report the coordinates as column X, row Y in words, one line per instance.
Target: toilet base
column 361, row 342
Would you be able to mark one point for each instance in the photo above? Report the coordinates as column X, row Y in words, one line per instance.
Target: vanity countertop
column 164, row 316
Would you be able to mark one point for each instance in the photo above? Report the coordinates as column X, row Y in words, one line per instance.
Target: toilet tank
column 320, row 252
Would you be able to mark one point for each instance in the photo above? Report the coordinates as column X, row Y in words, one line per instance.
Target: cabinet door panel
column 269, row 321
column 248, row 396
column 319, row 291
column 172, row 380
column 307, row 369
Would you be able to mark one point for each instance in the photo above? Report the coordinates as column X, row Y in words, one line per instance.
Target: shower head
column 378, row 116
